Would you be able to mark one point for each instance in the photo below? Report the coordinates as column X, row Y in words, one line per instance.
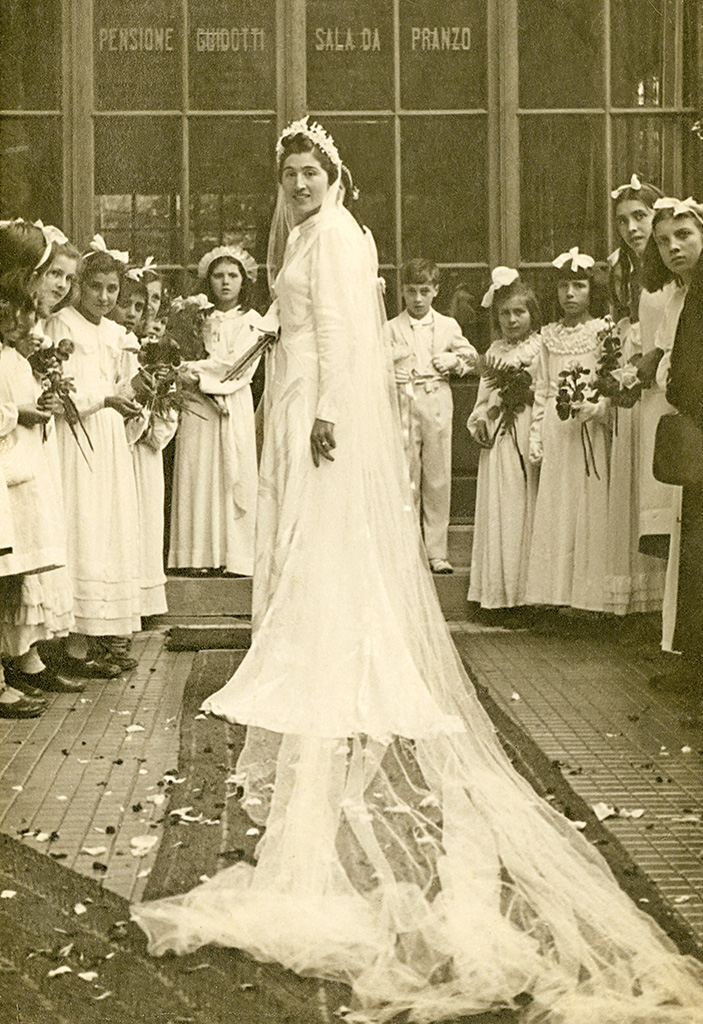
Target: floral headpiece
column 137, row 273
column 234, row 252
column 97, row 244
column 578, row 260
column 634, row 183
column 317, row 135
column 679, row 207
column 199, row 301
column 501, row 277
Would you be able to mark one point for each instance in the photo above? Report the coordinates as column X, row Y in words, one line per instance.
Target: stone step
column 461, row 537
column 216, row 608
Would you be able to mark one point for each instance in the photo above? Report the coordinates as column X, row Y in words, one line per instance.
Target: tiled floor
column 85, row 778
column 587, row 704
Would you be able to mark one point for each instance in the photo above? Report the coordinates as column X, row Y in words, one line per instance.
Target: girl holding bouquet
column 148, row 433
column 99, row 488
column 635, row 581
column 500, row 424
column 568, row 440
column 213, row 507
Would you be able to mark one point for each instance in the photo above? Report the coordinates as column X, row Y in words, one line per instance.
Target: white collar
column 426, row 321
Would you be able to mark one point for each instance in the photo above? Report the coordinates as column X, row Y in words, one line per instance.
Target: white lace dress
column 505, row 494
column 213, row 503
column 402, row 853
column 567, row 557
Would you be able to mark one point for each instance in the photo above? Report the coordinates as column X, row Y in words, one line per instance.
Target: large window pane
column 232, row 54
column 637, row 72
column 366, row 147
column 443, row 54
column 137, row 185
column 232, row 183
column 562, row 186
column 30, row 49
column 31, row 178
column 560, row 53
column 350, row 54
column 659, row 149
column 444, row 188
column 137, row 54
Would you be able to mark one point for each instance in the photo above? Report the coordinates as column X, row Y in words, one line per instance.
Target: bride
column 403, row 855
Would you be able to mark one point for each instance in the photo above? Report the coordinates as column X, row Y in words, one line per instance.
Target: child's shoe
column 441, row 566
column 115, row 649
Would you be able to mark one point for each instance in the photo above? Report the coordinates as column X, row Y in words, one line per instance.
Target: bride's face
column 305, row 184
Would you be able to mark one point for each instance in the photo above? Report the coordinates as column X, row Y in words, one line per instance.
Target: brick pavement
column 70, row 780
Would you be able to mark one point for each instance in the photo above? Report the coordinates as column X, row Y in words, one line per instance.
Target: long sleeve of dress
column 540, row 403
column 480, row 409
column 87, row 400
column 331, row 288
column 8, row 418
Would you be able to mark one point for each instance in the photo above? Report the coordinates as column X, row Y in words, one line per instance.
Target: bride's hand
column 322, row 441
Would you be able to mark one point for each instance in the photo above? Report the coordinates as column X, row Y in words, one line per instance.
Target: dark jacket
column 685, row 387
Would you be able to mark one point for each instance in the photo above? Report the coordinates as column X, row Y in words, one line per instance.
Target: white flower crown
column 317, row 135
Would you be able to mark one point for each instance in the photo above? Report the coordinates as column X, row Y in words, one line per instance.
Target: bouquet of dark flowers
column 513, row 390
column 573, row 391
column 47, row 366
column 160, row 384
column 614, row 380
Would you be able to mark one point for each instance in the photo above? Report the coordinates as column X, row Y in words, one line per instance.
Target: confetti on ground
column 80, row 908
column 515, row 695
column 88, row 975
column 94, row 851
column 64, row 969
column 135, row 728
column 8, row 894
column 141, row 845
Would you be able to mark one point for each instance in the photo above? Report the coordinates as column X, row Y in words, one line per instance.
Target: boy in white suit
column 427, row 349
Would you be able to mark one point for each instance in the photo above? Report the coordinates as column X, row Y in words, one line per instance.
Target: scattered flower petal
column 252, row 832
column 41, row 837
column 88, row 975
column 515, row 695
column 156, row 798
column 18, row 789
column 637, row 813
column 686, row 750
column 94, row 851
column 135, row 728
column 141, row 845
column 603, row 811
column 103, row 995
column 683, row 899
column 8, row 894
column 63, row 969
column 80, row 909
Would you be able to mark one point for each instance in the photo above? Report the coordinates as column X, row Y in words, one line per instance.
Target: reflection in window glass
column 232, row 183
column 636, row 69
column 562, row 186
column 137, row 54
column 350, row 54
column 692, row 41
column 560, row 53
column 646, row 144
column 137, row 184
column 444, row 188
column 443, row 54
column 232, row 63
column 367, row 149
column 31, row 175
column 30, row 49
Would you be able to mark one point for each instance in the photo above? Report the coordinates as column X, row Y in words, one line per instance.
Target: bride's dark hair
column 301, row 143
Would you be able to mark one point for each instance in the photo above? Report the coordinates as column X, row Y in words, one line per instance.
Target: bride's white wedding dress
column 402, row 853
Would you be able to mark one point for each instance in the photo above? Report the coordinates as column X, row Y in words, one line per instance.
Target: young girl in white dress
column 37, row 604
column 99, row 492
column 213, row 506
column 148, row 433
column 635, row 581
column 567, row 557
column 507, row 480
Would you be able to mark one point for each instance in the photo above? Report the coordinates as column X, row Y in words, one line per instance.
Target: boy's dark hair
column 245, row 292
column 518, row 288
column 419, row 271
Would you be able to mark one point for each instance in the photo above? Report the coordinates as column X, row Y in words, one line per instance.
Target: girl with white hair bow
column 213, row 505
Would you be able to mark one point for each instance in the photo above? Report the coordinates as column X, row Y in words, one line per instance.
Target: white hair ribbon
column 51, row 233
column 680, row 207
column 234, row 252
column 137, row 273
column 578, row 260
column 634, row 183
column 501, row 277
column 97, row 244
